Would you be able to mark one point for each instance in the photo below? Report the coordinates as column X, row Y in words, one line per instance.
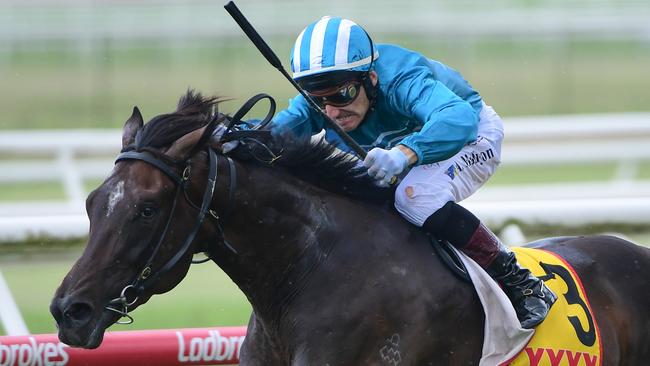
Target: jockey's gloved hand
column 226, row 147
column 384, row 164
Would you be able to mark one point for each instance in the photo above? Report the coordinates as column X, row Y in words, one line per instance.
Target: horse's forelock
column 194, row 102
column 193, row 111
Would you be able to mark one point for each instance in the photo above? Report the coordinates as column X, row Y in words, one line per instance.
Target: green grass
column 206, row 297
column 57, row 86
column 31, row 191
column 644, row 170
column 556, row 173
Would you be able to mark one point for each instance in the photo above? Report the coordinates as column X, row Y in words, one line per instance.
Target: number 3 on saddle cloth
column 569, row 336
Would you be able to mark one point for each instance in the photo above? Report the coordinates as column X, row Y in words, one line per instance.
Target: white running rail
column 10, row 317
column 72, row 156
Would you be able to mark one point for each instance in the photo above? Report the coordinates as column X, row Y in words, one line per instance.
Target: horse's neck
column 280, row 231
column 290, row 237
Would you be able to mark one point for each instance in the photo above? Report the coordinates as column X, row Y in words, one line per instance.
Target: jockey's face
column 349, row 117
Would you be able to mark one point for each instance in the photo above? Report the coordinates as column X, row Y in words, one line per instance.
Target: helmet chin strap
column 366, row 80
column 370, row 88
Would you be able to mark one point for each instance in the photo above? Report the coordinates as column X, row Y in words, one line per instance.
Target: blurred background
column 571, row 79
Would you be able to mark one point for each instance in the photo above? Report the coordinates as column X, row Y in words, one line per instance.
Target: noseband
column 146, row 278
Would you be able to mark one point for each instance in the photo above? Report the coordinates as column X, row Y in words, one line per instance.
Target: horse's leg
column 257, row 349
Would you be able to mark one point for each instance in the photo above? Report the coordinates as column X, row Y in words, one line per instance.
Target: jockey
column 416, row 116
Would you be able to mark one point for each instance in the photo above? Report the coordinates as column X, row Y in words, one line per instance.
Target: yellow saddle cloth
column 569, row 335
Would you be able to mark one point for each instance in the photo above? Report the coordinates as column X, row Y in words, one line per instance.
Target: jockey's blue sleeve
column 449, row 122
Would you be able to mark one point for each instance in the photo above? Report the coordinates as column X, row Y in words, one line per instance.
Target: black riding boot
column 528, row 294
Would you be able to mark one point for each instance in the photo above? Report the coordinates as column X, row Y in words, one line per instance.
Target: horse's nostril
column 78, row 311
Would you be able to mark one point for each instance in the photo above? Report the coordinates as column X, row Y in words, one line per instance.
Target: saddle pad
column 569, row 336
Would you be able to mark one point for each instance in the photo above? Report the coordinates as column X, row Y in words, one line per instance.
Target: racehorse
column 334, row 277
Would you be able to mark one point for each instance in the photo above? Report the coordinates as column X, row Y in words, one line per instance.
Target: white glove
column 383, row 164
column 227, row 146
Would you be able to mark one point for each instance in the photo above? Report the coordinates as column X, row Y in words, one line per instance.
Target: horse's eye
column 148, row 212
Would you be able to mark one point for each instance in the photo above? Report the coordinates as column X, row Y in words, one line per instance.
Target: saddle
column 450, row 258
column 568, row 336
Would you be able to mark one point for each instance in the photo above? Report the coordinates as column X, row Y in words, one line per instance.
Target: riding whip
column 273, row 59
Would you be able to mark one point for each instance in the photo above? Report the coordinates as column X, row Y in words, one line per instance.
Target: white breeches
column 426, row 188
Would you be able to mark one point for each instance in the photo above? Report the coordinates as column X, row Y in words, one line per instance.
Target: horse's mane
column 314, row 160
column 325, row 165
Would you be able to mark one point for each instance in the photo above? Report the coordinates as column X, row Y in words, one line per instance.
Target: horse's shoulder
column 260, row 345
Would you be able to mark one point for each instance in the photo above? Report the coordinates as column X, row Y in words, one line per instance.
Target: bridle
column 147, row 277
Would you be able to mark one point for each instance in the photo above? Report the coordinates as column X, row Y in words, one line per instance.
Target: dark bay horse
column 333, row 279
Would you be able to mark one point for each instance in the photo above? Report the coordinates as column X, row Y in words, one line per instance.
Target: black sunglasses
column 338, row 96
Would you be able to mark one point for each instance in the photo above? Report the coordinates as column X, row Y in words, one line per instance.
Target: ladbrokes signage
column 33, row 353
column 214, row 347
column 202, row 346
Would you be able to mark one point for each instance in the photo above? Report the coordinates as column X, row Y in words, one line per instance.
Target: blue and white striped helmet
column 331, row 44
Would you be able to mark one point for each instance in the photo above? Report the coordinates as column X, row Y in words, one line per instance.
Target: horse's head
column 143, row 221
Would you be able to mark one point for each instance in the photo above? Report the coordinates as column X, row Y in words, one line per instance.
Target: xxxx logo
column 556, row 357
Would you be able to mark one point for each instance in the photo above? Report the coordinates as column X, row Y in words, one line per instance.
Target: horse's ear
column 131, row 127
column 186, row 146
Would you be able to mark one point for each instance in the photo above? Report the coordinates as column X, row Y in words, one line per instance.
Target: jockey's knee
column 453, row 223
column 416, row 206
